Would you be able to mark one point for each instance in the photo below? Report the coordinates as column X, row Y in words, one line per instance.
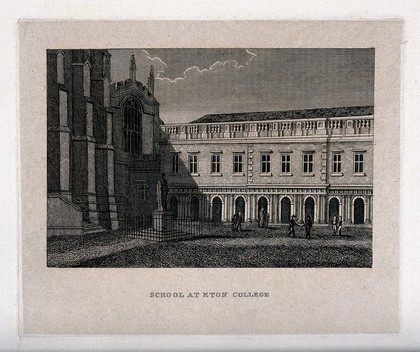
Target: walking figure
column 237, row 220
column 308, row 227
column 292, row 226
column 334, row 224
column 340, row 225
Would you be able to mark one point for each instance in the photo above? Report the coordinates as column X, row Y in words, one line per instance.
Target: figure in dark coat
column 266, row 220
column 234, row 222
column 292, row 226
column 308, row 227
column 237, row 220
column 261, row 217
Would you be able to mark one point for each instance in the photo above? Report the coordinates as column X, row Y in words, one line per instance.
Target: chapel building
column 102, row 161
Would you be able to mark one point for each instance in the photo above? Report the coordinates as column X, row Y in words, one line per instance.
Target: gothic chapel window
column 132, row 127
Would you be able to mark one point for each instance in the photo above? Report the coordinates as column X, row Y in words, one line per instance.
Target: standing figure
column 261, row 217
column 340, row 225
column 235, row 222
column 308, row 227
column 239, row 222
column 292, row 226
column 266, row 220
column 334, row 224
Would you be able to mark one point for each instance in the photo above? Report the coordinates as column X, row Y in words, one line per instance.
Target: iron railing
column 161, row 227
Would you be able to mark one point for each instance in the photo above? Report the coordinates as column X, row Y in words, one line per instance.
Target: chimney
column 133, row 68
column 151, row 80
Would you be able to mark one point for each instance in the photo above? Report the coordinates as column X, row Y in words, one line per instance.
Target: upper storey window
column 358, row 163
column 237, row 164
column 265, row 163
column 308, row 163
column 132, row 127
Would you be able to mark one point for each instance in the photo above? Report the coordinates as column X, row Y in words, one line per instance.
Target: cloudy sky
column 191, row 83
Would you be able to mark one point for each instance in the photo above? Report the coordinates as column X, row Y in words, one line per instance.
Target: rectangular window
column 141, row 190
column 358, row 163
column 285, row 164
column 265, row 163
column 193, row 163
column 308, row 163
column 215, row 164
column 237, row 164
column 175, row 163
column 336, row 163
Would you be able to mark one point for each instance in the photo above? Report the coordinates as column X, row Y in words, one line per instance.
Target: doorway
column 216, row 215
column 359, row 211
column 285, row 214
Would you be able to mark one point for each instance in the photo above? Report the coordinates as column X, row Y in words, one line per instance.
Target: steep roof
column 287, row 114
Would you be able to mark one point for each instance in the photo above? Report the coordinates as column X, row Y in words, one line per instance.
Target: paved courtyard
column 219, row 247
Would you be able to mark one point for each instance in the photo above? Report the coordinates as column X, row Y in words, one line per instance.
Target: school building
column 316, row 162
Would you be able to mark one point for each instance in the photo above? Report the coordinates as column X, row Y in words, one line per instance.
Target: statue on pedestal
column 162, row 193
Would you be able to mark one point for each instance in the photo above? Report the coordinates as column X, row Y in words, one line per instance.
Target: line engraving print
column 211, row 158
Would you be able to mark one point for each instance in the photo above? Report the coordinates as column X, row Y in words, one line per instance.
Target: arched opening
column 262, row 204
column 195, row 208
column 285, row 214
column 359, row 211
column 132, row 127
column 240, row 205
column 334, row 209
column 262, row 211
column 173, row 207
column 216, row 215
column 310, row 207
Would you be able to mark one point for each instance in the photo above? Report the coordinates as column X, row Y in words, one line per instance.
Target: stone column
column 58, row 143
column 367, row 206
column 275, row 206
column 323, row 204
column 349, row 210
column 302, row 207
column 207, row 206
column 83, row 176
column 186, row 206
column 230, row 206
column 203, row 207
column 248, row 208
column 253, row 206
column 104, row 157
column 225, row 206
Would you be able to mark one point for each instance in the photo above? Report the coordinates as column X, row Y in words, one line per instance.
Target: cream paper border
column 116, row 301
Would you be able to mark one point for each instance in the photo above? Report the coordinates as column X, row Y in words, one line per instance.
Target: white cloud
column 161, row 67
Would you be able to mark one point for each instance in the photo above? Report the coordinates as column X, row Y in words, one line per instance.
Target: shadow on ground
column 220, row 247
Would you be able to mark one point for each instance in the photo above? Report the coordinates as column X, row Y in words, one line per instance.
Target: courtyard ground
column 219, row 247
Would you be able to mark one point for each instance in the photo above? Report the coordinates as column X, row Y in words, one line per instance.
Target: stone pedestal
column 161, row 221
